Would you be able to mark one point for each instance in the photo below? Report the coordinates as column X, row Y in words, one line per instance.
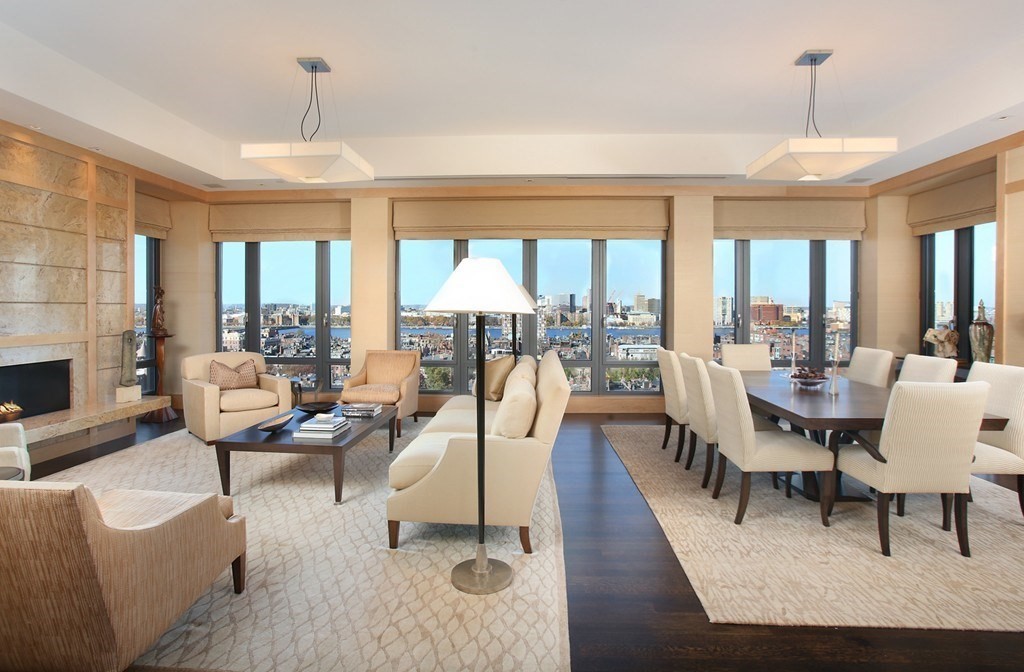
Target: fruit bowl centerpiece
column 808, row 377
column 9, row 411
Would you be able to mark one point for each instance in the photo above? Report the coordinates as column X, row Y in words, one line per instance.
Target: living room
column 611, row 166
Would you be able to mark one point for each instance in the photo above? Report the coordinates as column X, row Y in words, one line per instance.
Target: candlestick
column 792, row 352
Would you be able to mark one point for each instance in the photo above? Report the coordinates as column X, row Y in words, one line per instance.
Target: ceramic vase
column 982, row 334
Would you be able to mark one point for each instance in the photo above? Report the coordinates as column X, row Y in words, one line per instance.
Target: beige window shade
column 953, row 206
column 256, row 222
column 597, row 218
column 152, row 216
column 789, row 220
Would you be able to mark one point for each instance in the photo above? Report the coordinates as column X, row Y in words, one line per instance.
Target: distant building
column 943, row 312
column 639, row 302
column 725, row 307
column 766, row 312
column 643, row 319
column 654, row 306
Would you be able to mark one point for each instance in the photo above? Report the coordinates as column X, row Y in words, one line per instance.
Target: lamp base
column 482, row 575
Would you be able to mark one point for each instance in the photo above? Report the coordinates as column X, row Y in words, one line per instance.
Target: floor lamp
column 479, row 287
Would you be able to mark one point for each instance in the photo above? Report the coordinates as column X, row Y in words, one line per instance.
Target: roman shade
column 594, row 218
column 257, row 222
column 953, row 206
column 152, row 216
column 745, row 219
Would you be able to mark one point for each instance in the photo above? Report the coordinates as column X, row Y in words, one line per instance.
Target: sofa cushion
column 227, row 378
column 495, row 373
column 524, row 371
column 247, row 399
column 460, row 420
column 418, row 458
column 516, row 411
column 379, row 393
column 464, row 402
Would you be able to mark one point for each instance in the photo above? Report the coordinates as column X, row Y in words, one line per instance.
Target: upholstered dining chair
column 389, row 377
column 924, row 448
column 747, row 356
column 1002, row 452
column 703, row 421
column 676, row 407
column 870, row 366
column 757, row 451
column 922, row 369
column 14, row 449
column 91, row 583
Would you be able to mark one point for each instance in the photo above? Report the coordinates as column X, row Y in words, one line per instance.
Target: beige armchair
column 212, row 413
column 90, row 584
column 390, row 377
column 13, row 448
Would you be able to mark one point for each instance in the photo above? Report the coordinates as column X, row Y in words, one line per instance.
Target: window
column 945, row 284
column 724, row 270
column 632, row 314
column 779, row 297
column 147, row 276
column 497, row 327
column 233, row 315
column 984, row 289
column 838, row 298
column 288, row 309
column 423, row 267
column 340, row 301
column 564, row 281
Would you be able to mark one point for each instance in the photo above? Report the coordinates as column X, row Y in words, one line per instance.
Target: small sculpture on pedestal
column 158, row 327
column 982, row 335
column 128, row 389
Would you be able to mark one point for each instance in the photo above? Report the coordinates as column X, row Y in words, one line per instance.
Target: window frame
column 152, row 280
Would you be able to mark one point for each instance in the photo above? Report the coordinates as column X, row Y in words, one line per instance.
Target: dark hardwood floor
column 631, row 606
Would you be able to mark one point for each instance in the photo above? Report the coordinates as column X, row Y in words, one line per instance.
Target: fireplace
column 39, row 387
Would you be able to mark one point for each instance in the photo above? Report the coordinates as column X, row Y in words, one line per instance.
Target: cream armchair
column 390, row 377
column 212, row 413
column 13, row 448
column 90, row 584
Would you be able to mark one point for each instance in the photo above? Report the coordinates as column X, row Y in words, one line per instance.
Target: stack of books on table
column 314, row 430
column 362, row 410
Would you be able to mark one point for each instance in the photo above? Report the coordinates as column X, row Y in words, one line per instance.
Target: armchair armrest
column 870, row 447
column 409, row 394
column 201, row 405
column 357, row 379
column 12, row 434
column 280, row 386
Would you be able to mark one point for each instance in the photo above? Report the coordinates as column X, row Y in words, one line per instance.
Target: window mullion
column 816, row 310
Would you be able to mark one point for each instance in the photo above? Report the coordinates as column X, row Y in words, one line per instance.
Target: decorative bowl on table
column 809, row 378
column 275, row 424
column 317, row 406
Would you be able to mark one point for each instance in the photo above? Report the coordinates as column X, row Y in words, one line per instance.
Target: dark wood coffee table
column 253, row 440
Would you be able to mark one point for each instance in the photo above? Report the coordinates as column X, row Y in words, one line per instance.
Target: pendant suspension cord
column 319, row 119
column 302, row 124
column 810, row 102
column 814, row 95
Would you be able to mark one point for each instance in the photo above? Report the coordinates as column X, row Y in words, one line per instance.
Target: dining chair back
column 870, row 366
column 922, row 369
column 747, row 356
column 1005, row 399
column 672, row 386
column 735, row 422
column 699, row 400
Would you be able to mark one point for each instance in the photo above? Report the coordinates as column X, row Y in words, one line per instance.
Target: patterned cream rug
column 782, row 567
column 324, row 592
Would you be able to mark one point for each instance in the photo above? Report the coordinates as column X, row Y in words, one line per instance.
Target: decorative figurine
column 129, row 350
column 158, row 328
column 944, row 340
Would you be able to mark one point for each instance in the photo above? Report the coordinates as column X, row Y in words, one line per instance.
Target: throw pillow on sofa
column 241, row 377
column 495, row 373
column 514, row 417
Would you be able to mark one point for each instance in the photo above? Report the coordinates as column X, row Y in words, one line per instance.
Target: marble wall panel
column 46, row 209
column 110, row 255
column 109, row 319
column 27, row 283
column 111, row 184
column 24, row 319
column 27, row 245
column 108, row 351
column 110, row 287
column 106, row 382
column 76, row 352
column 42, row 164
column 111, row 222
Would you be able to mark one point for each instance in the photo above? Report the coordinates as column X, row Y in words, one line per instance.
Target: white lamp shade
column 480, row 285
column 819, row 158
column 309, row 162
column 532, row 301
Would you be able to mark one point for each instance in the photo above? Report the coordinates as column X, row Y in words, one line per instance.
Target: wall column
column 1009, row 322
column 373, row 278
column 890, row 279
column 689, row 280
column 189, row 277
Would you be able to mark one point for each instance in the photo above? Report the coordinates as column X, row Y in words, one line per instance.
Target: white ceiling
column 534, row 88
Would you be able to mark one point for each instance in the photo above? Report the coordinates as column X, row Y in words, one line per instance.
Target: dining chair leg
column 1020, row 491
column 692, row 451
column 682, row 442
column 789, row 485
column 668, row 432
column 947, row 510
column 960, row 514
column 775, row 480
column 901, row 504
column 883, row 522
column 719, row 477
column 709, row 464
column 828, row 495
column 744, row 497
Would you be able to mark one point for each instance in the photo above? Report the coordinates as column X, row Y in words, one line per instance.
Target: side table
column 11, row 474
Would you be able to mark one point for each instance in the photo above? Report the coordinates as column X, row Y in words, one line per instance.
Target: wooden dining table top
column 858, row 406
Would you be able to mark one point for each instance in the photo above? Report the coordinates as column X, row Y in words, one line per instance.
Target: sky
column 781, row 269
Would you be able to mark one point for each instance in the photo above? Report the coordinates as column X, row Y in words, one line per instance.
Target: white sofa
column 212, row 413
column 434, row 477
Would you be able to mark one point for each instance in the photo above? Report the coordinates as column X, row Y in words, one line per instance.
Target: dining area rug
column 324, row 592
column 783, row 567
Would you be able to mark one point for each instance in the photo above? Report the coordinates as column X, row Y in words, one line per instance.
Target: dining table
column 854, row 407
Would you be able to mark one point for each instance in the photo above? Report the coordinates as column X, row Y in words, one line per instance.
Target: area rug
column 323, row 590
column 782, row 567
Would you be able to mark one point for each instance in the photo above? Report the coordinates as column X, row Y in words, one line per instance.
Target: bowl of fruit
column 9, row 411
column 808, row 377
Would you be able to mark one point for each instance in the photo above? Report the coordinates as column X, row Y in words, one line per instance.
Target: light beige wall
column 1009, row 252
column 890, row 276
column 373, row 278
column 689, row 292
column 188, row 274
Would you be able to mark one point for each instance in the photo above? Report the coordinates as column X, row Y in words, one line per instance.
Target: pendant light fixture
column 308, row 161
column 818, row 158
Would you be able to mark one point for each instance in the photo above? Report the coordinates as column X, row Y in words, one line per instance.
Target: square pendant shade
column 309, row 162
column 819, row 158
column 480, row 285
